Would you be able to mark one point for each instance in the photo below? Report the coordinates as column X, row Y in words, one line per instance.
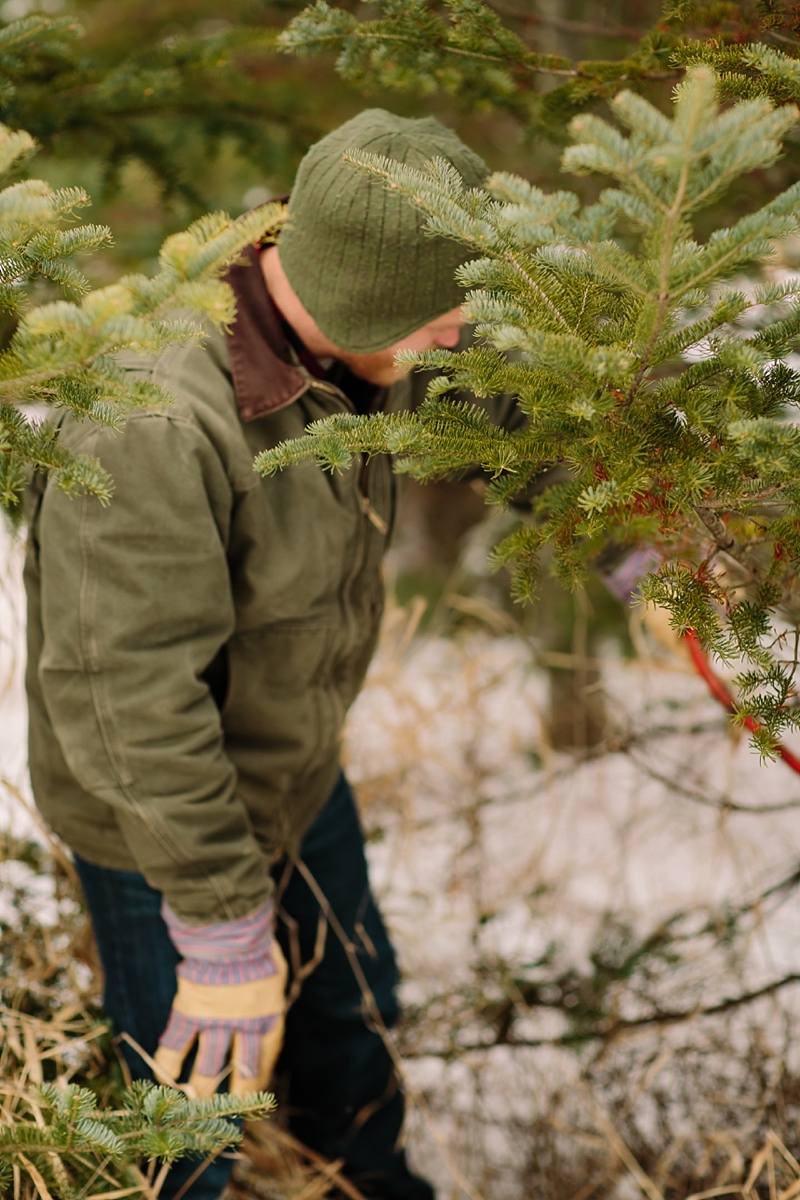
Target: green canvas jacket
column 193, row 647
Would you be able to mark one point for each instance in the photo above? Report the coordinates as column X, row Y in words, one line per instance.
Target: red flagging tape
column 720, row 692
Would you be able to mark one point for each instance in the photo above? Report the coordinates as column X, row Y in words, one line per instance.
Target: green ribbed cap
column 356, row 253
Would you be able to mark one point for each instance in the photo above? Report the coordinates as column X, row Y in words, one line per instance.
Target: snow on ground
column 445, row 746
column 13, row 763
column 485, row 848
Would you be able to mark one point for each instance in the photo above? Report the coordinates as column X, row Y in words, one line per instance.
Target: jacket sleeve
column 136, row 602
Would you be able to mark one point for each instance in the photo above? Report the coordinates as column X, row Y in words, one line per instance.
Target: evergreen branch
column 321, row 27
column 469, row 52
column 452, row 211
column 617, row 1025
column 724, row 541
column 536, row 290
column 64, row 353
column 725, row 311
column 62, row 1139
column 201, row 87
column 693, row 102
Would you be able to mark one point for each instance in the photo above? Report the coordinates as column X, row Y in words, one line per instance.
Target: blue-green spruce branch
column 71, row 1148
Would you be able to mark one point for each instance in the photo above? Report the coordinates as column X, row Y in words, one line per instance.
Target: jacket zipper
column 367, row 510
column 372, row 515
column 366, row 507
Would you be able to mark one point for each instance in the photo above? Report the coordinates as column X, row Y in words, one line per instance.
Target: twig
column 183, row 1189
column 38, row 1182
column 115, row 1195
column 623, row 1152
column 159, row 1072
column 381, row 1029
column 327, row 1175
column 720, row 802
column 589, row 28
column 624, row 1025
column 725, row 542
column 252, row 1149
column 56, row 849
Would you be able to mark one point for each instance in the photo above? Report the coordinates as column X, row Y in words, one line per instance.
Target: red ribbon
column 720, row 693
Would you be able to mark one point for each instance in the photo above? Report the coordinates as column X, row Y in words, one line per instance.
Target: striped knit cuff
column 226, row 971
column 226, row 953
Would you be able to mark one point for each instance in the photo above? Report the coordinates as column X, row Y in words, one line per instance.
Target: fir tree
column 646, row 368
column 63, row 353
column 68, row 1146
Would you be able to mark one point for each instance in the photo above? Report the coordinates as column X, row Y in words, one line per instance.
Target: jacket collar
column 265, row 379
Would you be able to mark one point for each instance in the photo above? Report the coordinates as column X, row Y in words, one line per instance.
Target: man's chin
column 381, row 375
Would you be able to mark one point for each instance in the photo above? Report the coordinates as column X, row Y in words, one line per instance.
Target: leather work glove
column 230, row 998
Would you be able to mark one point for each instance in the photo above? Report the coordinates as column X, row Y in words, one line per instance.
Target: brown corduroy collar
column 264, row 377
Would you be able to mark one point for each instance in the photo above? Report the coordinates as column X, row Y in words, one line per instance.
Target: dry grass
column 52, row 1030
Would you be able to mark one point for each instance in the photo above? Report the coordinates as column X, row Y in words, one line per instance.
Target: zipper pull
column 375, row 517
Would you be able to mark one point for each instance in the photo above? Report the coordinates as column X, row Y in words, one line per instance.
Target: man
column 195, row 645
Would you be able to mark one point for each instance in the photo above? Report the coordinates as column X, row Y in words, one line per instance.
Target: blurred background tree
column 163, row 111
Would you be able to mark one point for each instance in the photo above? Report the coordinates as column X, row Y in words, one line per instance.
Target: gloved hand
column 230, row 997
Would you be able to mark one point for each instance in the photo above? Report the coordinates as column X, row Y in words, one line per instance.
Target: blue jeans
column 342, row 1098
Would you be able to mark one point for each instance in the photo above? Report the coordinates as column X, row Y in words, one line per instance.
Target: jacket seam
column 89, row 652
